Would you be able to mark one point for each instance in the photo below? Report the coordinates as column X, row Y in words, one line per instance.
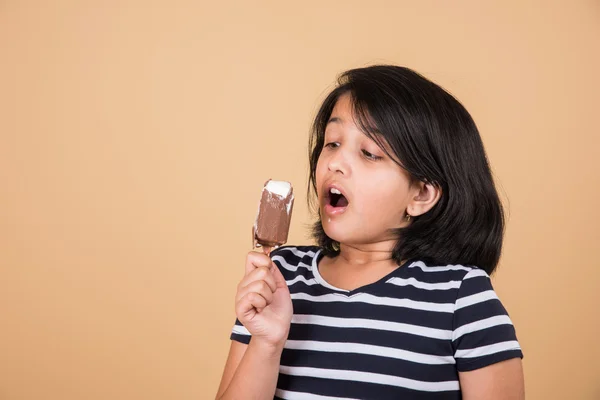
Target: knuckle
column 262, row 259
column 264, row 287
column 250, row 257
column 254, row 298
column 268, row 298
column 261, row 272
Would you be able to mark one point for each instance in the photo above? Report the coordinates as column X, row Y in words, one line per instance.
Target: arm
column 251, row 368
column 500, row 381
column 264, row 308
column 487, row 353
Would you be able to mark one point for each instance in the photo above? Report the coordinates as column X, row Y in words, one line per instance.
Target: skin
column 369, row 179
column 264, row 306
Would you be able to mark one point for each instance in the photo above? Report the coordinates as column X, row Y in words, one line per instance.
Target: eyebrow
column 334, row 119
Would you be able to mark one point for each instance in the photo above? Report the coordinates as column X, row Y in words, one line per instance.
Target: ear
column 424, row 197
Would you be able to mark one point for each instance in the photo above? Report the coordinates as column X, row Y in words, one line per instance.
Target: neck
column 368, row 254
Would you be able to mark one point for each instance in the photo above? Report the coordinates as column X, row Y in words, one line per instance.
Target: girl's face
column 375, row 191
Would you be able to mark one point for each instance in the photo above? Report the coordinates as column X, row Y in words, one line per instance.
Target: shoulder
column 453, row 284
column 448, row 276
column 448, row 271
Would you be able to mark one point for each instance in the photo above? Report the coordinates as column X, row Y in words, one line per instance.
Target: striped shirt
column 405, row 336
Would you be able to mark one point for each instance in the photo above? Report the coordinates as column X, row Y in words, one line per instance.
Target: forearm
column 256, row 376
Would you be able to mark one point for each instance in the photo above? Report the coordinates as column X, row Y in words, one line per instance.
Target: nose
column 338, row 162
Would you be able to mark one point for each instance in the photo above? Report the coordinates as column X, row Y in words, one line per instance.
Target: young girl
column 395, row 302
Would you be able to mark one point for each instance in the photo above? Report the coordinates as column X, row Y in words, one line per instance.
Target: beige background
column 135, row 137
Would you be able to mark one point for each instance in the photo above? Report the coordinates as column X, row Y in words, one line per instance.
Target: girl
column 395, row 302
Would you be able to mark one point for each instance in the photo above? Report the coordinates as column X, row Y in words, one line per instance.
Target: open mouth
column 337, row 199
column 335, row 202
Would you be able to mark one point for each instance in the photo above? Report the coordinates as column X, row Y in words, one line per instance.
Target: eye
column 371, row 156
column 332, row 145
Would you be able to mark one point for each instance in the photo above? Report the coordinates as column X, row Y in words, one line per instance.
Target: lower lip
column 331, row 210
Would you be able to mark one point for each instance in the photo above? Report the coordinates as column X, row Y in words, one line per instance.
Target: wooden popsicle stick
column 267, row 250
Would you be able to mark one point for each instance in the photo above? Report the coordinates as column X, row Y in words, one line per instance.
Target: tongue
column 342, row 202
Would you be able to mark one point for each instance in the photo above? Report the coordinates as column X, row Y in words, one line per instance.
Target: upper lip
column 334, row 185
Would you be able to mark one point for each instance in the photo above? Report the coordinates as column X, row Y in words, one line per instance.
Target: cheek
column 319, row 175
column 384, row 197
column 320, row 169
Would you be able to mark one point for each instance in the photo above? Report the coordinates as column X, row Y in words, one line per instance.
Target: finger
column 248, row 306
column 259, row 287
column 260, row 274
column 255, row 260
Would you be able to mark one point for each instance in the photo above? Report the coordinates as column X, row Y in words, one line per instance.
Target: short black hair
column 436, row 141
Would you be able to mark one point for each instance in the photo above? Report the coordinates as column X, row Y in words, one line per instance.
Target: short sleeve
column 483, row 333
column 239, row 333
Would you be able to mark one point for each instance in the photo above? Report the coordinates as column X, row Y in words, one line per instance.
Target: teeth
column 335, row 191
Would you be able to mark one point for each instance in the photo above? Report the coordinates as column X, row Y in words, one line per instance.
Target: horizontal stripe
column 290, row 267
column 487, row 350
column 382, row 301
column 372, row 364
column 369, row 377
column 289, row 395
column 481, row 325
column 475, row 298
column 476, row 312
column 372, row 324
column 375, row 337
column 475, row 273
column 359, row 348
column 436, row 296
column 240, row 330
column 301, row 278
column 296, row 252
column 424, row 285
column 429, row 319
column 426, row 268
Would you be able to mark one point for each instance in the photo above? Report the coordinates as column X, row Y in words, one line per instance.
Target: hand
column 263, row 303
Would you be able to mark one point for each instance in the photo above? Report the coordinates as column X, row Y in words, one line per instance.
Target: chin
column 339, row 233
column 331, row 231
column 336, row 233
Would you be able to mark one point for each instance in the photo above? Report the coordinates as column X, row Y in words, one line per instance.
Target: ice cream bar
column 274, row 214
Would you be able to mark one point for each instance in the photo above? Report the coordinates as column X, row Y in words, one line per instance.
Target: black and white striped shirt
column 405, row 336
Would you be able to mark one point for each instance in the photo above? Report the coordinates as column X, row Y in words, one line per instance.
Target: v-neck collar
column 319, row 278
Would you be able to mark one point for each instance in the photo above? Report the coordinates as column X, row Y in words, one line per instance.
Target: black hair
column 436, row 141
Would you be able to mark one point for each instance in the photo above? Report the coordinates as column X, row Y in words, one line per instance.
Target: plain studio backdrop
column 135, row 137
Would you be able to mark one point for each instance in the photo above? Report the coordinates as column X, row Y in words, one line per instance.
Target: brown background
column 135, row 137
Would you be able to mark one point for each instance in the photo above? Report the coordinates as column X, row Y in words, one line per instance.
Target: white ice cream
column 280, row 188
